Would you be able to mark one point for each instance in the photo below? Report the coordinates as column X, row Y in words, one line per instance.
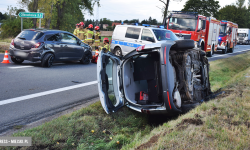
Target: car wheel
column 231, row 50
column 224, row 51
column 47, row 60
column 86, row 58
column 17, row 60
column 118, row 51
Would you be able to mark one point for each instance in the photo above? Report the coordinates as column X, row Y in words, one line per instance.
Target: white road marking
column 20, row 67
column 229, row 53
column 22, row 98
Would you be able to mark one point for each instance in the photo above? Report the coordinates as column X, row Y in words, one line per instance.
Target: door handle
column 135, row 40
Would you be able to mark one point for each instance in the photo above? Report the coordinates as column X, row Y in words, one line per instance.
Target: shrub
column 12, row 27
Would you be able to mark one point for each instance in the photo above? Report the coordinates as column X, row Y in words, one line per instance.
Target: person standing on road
column 97, row 37
column 106, row 46
column 81, row 31
column 76, row 29
column 89, row 35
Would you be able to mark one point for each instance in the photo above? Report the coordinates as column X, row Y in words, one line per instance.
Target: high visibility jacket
column 97, row 36
column 81, row 34
column 75, row 32
column 89, row 36
column 107, row 47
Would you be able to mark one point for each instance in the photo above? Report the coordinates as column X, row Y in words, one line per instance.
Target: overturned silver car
column 161, row 78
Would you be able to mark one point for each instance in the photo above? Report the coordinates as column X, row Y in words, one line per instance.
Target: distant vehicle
column 158, row 78
column 228, row 36
column 243, row 36
column 191, row 25
column 126, row 38
column 48, row 46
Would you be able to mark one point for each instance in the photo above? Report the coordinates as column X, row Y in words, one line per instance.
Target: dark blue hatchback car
column 48, row 46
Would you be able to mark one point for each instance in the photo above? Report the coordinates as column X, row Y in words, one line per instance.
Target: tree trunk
column 49, row 19
column 166, row 9
column 60, row 13
column 35, row 6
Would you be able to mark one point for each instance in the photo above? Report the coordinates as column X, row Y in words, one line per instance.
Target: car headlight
column 195, row 44
column 222, row 44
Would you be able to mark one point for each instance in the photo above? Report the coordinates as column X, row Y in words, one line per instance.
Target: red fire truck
column 190, row 25
column 228, row 36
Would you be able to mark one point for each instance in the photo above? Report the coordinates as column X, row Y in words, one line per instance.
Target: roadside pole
column 21, row 24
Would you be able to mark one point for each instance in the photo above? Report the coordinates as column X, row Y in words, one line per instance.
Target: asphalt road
column 29, row 92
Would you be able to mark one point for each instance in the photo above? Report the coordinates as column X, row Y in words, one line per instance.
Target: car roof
column 49, row 31
column 140, row 27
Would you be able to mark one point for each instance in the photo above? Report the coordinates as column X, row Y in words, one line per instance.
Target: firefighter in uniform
column 106, row 46
column 89, row 35
column 97, row 37
column 81, row 31
column 75, row 31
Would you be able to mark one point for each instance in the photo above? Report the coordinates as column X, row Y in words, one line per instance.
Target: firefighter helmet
column 81, row 24
column 90, row 26
column 97, row 28
column 106, row 40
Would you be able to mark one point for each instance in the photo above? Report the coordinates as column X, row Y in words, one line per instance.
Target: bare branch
column 163, row 2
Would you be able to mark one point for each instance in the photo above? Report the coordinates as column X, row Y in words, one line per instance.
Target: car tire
column 224, row 51
column 47, row 60
column 118, row 51
column 231, row 50
column 17, row 60
column 86, row 58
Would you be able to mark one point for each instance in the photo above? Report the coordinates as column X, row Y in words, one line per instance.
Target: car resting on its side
column 161, row 78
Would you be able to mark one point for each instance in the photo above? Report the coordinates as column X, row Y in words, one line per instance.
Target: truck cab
column 188, row 25
column 228, row 36
column 243, row 36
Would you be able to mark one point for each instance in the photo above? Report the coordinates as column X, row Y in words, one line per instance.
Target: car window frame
column 76, row 43
column 133, row 33
column 153, row 35
column 59, row 39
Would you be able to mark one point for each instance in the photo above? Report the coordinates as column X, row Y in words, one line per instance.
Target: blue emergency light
column 162, row 27
column 145, row 25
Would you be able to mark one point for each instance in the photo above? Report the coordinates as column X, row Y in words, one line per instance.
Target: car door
column 108, row 77
column 71, row 47
column 53, row 41
column 131, row 41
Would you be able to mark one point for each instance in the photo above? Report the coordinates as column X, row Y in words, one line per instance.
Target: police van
column 126, row 38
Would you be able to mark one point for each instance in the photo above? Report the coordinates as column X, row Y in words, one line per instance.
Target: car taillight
column 37, row 45
column 12, row 42
column 140, row 48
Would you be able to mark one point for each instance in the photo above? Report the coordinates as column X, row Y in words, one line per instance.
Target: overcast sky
column 126, row 9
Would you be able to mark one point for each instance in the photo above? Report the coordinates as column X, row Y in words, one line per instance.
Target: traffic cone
column 6, row 58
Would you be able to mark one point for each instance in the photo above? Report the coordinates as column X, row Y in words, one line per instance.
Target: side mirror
column 150, row 39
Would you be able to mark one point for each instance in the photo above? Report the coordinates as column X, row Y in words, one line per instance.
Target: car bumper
column 31, row 55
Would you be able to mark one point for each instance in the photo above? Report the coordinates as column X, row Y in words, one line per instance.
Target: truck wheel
column 17, row 61
column 118, row 51
column 47, row 60
column 224, row 51
column 210, row 54
column 231, row 50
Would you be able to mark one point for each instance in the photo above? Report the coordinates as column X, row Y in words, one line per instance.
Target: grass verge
column 222, row 123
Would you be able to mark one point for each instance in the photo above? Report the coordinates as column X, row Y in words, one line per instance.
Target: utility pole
column 97, row 12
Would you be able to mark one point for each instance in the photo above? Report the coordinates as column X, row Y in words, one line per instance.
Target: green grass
column 7, row 40
column 74, row 131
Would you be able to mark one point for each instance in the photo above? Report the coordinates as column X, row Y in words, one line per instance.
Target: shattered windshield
column 162, row 35
column 188, row 24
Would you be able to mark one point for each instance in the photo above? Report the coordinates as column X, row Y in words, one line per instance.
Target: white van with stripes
column 126, row 38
